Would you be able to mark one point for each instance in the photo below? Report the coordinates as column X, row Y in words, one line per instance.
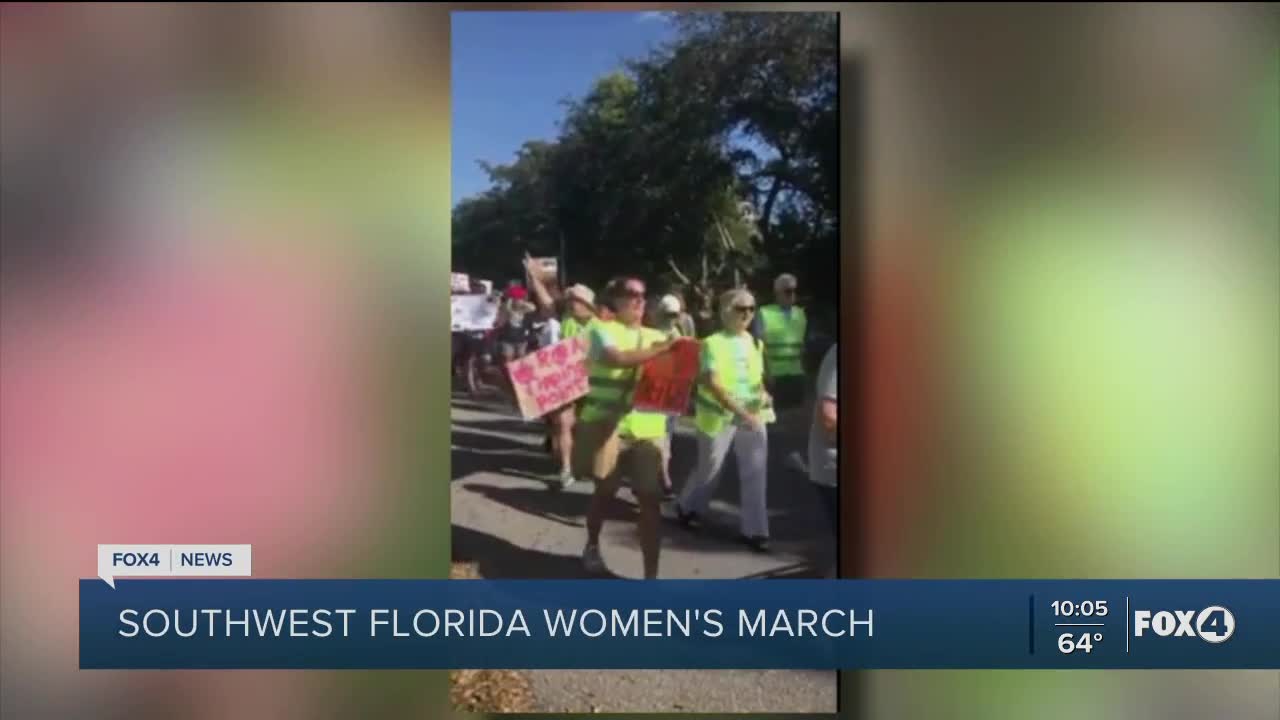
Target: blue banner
column 730, row 624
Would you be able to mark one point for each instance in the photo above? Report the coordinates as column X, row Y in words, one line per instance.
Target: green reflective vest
column 710, row 416
column 571, row 327
column 645, row 425
column 783, row 340
column 610, row 386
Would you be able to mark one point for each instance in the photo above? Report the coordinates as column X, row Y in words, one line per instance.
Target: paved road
column 511, row 525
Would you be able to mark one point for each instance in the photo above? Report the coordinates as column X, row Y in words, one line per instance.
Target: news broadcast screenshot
column 424, row 360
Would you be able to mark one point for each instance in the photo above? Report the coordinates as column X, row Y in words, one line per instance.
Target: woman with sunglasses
column 732, row 408
column 612, row 440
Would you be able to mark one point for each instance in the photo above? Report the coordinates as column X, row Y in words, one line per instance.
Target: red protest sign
column 552, row 377
column 667, row 381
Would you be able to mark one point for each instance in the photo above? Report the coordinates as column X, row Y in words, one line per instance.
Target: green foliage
column 711, row 161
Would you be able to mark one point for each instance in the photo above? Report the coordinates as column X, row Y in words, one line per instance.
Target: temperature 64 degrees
column 1069, row 643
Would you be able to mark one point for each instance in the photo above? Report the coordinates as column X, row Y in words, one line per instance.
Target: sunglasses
column 744, row 309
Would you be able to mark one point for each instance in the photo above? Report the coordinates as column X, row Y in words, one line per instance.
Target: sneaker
column 567, row 480
column 758, row 543
column 591, row 559
column 689, row 520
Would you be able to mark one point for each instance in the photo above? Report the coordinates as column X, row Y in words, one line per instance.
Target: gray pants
column 752, row 451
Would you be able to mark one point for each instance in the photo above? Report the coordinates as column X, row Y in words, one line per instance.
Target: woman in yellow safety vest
column 579, row 311
column 611, row 440
column 731, row 410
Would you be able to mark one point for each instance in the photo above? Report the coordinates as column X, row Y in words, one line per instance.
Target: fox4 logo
column 1214, row 624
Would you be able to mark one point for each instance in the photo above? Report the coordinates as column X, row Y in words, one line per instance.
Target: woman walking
column 567, row 316
column 732, row 408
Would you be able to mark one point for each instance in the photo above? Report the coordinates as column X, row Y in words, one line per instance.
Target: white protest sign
column 459, row 282
column 173, row 561
column 547, row 267
column 472, row 313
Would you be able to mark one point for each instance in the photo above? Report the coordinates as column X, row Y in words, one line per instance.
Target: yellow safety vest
column 645, row 425
column 570, row 327
column 609, row 386
column 783, row 340
column 710, row 416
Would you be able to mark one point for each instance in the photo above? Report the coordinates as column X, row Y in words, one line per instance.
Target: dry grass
column 487, row 691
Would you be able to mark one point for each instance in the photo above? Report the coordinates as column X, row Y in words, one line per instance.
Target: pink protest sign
column 550, row 378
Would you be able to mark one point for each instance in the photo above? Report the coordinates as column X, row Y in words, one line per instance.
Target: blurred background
column 225, row 237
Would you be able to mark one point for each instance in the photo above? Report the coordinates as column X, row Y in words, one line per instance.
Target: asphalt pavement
column 511, row 523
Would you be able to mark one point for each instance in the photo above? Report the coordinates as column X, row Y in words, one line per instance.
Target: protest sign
column 473, row 313
column 553, row 376
column 459, row 282
column 667, row 381
column 548, row 268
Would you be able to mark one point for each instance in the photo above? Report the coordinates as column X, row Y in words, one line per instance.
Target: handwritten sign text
column 667, row 381
column 551, row 377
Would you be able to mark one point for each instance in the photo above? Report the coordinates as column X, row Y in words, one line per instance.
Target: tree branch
column 682, row 277
column 766, row 213
column 725, row 240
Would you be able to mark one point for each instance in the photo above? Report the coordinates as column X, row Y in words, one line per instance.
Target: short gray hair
column 730, row 298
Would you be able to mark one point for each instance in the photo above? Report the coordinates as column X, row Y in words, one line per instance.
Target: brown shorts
column 600, row 453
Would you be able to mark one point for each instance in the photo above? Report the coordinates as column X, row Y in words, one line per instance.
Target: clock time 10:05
column 1084, row 608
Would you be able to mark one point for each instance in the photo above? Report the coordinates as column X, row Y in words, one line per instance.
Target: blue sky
column 511, row 69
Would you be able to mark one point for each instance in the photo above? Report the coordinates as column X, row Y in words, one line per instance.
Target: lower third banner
column 794, row 624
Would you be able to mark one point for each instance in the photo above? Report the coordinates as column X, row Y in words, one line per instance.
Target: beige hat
column 670, row 304
column 581, row 293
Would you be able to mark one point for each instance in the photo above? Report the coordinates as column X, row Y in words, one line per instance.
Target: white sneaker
column 591, row 559
column 567, row 480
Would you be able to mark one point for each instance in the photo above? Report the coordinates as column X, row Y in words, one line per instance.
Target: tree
column 712, row 161
column 493, row 230
column 768, row 85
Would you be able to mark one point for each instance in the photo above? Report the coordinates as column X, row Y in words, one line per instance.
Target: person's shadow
column 474, row 452
column 565, row 508
column 498, row 559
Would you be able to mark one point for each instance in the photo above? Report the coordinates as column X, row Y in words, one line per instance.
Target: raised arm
column 540, row 294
